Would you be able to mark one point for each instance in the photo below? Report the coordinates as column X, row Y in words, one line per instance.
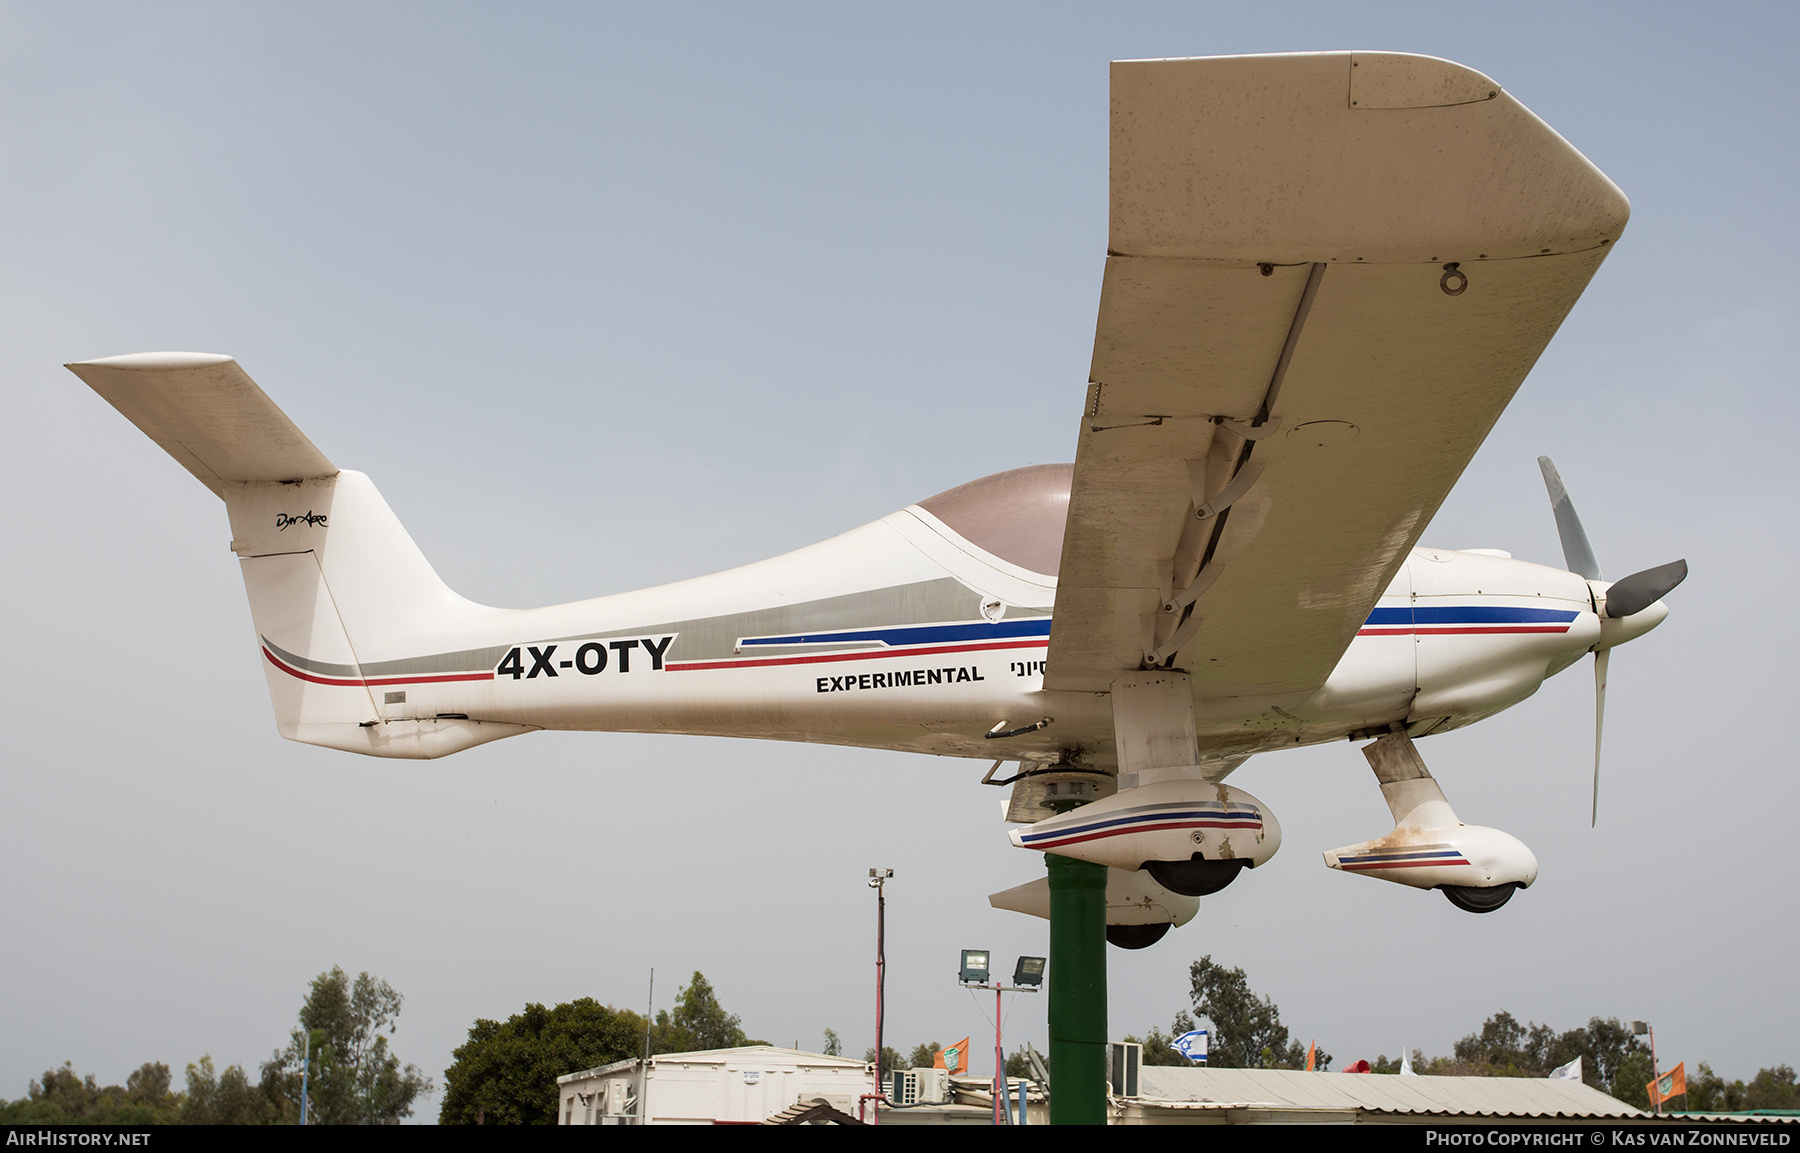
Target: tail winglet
column 206, row 412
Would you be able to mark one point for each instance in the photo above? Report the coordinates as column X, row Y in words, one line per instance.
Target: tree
column 697, row 1022
column 65, row 1098
column 1159, row 1048
column 1710, row 1093
column 354, row 1080
column 890, row 1058
column 1505, row 1048
column 1774, row 1088
column 1247, row 1032
column 833, row 1046
column 1633, row 1083
column 923, row 1055
column 505, row 1074
column 1602, row 1045
column 225, row 1099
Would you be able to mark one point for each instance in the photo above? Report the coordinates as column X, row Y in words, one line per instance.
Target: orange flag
column 1312, row 1055
column 955, row 1059
column 1670, row 1084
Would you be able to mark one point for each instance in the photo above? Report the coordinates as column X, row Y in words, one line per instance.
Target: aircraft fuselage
column 898, row 635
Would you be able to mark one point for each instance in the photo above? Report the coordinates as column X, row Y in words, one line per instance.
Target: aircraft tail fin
column 337, row 588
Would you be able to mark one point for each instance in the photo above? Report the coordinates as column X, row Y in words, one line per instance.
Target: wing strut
column 1313, row 277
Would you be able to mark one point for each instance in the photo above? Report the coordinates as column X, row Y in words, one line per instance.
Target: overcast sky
column 607, row 297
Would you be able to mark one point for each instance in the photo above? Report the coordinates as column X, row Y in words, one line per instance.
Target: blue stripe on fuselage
column 918, row 634
column 1469, row 615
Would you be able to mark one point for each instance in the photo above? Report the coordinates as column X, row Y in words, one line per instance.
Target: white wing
column 1281, row 234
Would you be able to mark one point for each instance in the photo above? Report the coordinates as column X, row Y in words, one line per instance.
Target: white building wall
column 719, row 1086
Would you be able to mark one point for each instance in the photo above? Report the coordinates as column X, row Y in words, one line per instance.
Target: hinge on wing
column 1202, row 581
column 1247, row 429
column 1165, row 652
column 1234, row 490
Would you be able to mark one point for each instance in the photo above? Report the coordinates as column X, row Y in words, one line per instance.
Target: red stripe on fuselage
column 1401, row 632
column 352, row 683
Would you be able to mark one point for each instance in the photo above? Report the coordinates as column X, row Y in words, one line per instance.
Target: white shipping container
column 712, row 1087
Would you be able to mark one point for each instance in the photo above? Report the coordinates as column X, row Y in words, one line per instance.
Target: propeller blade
column 1576, row 549
column 1640, row 590
column 1599, row 724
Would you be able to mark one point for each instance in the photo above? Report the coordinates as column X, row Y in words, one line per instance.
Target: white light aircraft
column 1327, row 275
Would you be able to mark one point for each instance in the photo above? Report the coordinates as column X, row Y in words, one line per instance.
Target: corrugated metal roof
column 1282, row 1089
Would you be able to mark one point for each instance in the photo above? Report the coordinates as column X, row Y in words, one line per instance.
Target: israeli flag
column 1192, row 1045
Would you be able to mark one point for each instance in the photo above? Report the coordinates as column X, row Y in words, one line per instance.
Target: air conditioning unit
column 618, row 1097
column 919, row 1086
column 1127, row 1059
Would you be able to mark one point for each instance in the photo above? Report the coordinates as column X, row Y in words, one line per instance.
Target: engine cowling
column 1192, row 836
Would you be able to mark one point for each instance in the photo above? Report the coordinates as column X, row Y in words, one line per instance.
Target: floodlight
column 974, row 966
column 1029, row 971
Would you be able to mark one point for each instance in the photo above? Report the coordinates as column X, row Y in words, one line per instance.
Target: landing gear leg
column 1478, row 869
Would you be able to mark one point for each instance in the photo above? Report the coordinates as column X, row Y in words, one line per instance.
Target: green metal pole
column 1077, row 991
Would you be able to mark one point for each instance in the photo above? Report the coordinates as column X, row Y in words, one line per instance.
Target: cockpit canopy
column 1019, row 516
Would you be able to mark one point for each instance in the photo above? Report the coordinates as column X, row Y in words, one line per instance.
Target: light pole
column 1640, row 1029
column 305, row 1075
column 305, row 1068
column 877, row 879
column 1028, row 975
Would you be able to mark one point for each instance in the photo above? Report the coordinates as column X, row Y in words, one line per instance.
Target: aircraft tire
column 1474, row 900
column 1136, row 936
column 1198, row 877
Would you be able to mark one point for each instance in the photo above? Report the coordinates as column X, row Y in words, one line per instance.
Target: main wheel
column 1198, row 877
column 1136, row 936
column 1473, row 900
